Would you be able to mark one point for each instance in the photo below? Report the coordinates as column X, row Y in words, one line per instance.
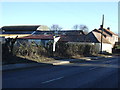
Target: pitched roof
column 108, row 31
column 104, row 33
column 72, row 38
column 38, row 37
column 18, row 32
column 21, row 28
column 90, row 37
column 65, row 38
column 95, row 37
column 62, row 32
column 98, row 37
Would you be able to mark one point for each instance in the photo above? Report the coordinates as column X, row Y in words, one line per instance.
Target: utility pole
column 102, row 31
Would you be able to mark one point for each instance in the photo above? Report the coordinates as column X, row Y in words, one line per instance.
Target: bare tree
column 55, row 27
column 84, row 28
column 76, row 27
column 81, row 27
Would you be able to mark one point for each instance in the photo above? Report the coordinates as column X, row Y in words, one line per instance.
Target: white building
column 108, row 39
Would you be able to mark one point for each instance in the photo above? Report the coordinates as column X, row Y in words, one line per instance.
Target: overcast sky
column 65, row 14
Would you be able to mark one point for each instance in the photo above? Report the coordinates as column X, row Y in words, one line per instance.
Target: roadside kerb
column 108, row 56
column 83, row 59
column 56, row 62
column 61, row 62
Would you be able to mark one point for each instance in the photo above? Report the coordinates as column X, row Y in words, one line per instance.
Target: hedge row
column 73, row 49
column 62, row 49
column 35, row 51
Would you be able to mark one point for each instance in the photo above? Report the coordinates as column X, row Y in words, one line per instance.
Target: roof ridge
column 111, row 32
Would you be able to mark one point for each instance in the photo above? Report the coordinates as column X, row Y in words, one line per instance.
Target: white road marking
column 92, row 68
column 52, row 80
column 106, row 61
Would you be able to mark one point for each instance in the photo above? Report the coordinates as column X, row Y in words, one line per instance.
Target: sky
column 65, row 14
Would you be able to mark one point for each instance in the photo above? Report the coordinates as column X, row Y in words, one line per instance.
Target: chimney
column 101, row 26
column 108, row 28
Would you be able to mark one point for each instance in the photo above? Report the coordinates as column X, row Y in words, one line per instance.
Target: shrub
column 63, row 49
column 30, row 50
column 72, row 49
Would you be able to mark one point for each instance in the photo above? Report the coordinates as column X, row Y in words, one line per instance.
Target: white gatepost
column 55, row 41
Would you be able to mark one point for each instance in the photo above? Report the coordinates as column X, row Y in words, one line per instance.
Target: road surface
column 101, row 73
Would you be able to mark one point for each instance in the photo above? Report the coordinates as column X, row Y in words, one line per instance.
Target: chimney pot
column 108, row 28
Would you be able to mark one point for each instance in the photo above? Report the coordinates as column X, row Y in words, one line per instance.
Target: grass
column 38, row 59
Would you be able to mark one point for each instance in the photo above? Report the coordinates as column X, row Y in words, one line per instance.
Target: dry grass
column 37, row 59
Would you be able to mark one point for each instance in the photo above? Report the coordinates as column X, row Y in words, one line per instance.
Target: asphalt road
column 101, row 73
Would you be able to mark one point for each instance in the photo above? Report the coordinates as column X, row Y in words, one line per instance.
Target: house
column 109, row 35
column 108, row 39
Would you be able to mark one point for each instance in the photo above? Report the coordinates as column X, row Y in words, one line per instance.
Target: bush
column 72, row 49
column 67, row 50
column 30, row 50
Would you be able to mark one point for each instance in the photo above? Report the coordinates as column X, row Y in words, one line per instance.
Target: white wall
column 105, row 47
column 112, row 39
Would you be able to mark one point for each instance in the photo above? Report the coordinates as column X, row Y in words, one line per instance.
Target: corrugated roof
column 18, row 32
column 21, row 28
column 38, row 37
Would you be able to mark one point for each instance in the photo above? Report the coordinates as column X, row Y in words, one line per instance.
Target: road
column 101, row 73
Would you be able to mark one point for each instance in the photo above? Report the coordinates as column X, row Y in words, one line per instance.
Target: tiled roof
column 107, row 31
column 95, row 37
column 98, row 37
column 104, row 33
column 110, row 32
